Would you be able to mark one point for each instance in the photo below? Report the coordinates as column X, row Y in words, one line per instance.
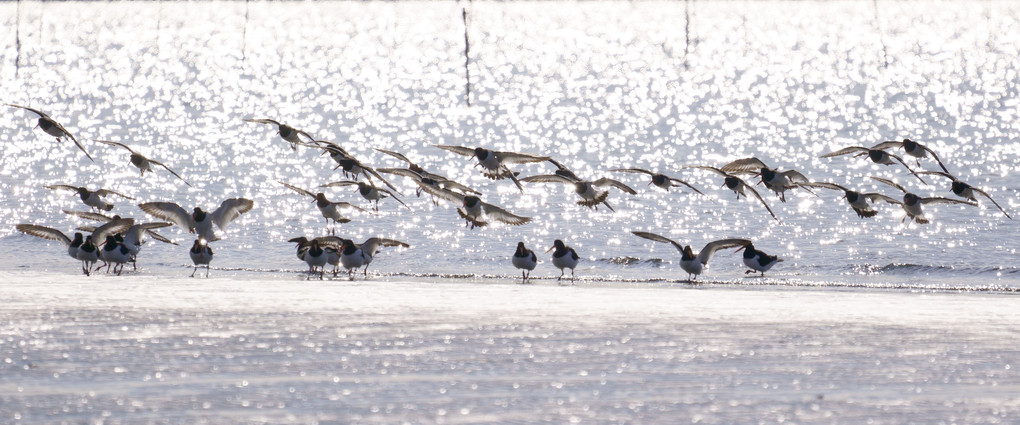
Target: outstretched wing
column 941, row 200
column 459, row 150
column 603, row 182
column 745, row 165
column 499, row 214
column 107, row 142
column 62, row 186
column 37, row 112
column 444, row 194
column 795, row 177
column 297, row 189
column 262, row 121
column 710, row 168
column 107, row 192
column 845, row 151
column 890, row 183
column 873, row 196
column 986, row 195
column 171, row 212
column 658, row 238
column 710, row 248
column 372, row 245
column 44, row 232
column 548, row 178
column 229, row 210
column 396, row 155
column 112, row 227
column 900, row 160
column 633, row 170
column 153, row 161
column 519, row 158
column 758, row 195
column 342, row 183
column 824, row 185
column 887, row 145
column 939, row 173
column 934, row 155
column 89, row 215
column 394, row 197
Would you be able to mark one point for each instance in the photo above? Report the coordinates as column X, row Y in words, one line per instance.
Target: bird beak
column 550, row 248
column 741, row 248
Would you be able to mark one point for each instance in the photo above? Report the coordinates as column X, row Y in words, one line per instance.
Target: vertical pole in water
column 244, row 33
column 467, row 58
column 881, row 35
column 17, row 41
column 687, row 30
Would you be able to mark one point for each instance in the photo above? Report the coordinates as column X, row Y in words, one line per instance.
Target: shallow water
column 595, row 85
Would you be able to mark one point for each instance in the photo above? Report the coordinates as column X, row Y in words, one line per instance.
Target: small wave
column 629, row 261
column 923, row 270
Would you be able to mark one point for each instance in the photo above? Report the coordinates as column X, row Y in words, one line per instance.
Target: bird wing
column 394, row 197
column 153, row 161
column 107, row 142
column 44, row 232
column 89, row 215
column 939, row 173
column 371, row 171
column 845, row 151
column 107, row 192
column 112, row 227
column 548, row 178
column 709, row 168
column 633, row 170
column 900, row 160
column 348, row 205
column 986, row 195
column 62, row 186
column 519, row 158
column 603, row 182
column 711, row 247
column 450, row 184
column 745, row 165
column 171, row 212
column 504, row 216
column 886, row 145
column 262, row 121
column 297, row 189
column 872, row 196
column 934, row 155
column 824, row 185
column 758, row 195
column 229, row 210
column 396, row 155
column 324, row 241
column 890, row 183
column 658, row 238
column 37, row 112
column 160, row 237
column 341, row 183
column 372, row 245
column 941, row 200
column 676, row 180
column 459, row 150
column 795, row 177
column 404, row 172
column 444, row 194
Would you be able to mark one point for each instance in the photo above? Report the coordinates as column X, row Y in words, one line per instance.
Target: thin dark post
column 878, row 22
column 17, row 41
column 467, row 58
column 244, row 33
column 687, row 30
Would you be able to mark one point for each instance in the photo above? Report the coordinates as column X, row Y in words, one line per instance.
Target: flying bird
column 199, row 221
column 285, row 131
column 695, row 263
column 354, row 255
column 859, row 202
column 913, row 149
column 737, row 185
column 777, row 181
column 478, row 213
column 92, row 198
column 965, row 190
column 142, row 162
column 912, row 203
column 53, row 128
column 494, row 163
column 330, row 210
column 658, row 179
column 876, row 155
column 592, row 193
column 368, row 191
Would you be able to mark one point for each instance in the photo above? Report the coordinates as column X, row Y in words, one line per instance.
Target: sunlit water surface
column 595, row 85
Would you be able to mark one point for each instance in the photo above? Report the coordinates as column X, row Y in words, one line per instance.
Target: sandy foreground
column 228, row 350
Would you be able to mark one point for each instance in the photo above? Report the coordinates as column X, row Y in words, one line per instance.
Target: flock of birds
column 118, row 240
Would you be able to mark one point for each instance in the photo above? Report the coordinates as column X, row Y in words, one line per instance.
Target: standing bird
column 91, row 198
column 316, row 257
column 329, row 209
column 74, row 246
column 965, row 190
column 353, row 256
column 53, row 128
column 493, row 163
column 912, row 203
column 913, row 149
column 564, row 257
column 201, row 254
column 199, row 221
column 658, row 179
column 133, row 237
column 285, row 131
column 695, row 264
column 368, row 191
column 525, row 260
column 142, row 162
column 115, row 255
column 777, row 181
column 758, row 261
column 857, row 200
column 331, row 244
column 737, row 185
column 592, row 192
column 88, row 254
column 876, row 155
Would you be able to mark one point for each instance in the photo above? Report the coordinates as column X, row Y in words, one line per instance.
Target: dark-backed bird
column 777, row 181
column 913, row 149
column 876, row 155
column 115, row 254
column 737, row 185
column 92, row 198
column 525, row 260
column 201, row 255
column 288, row 133
column 476, row 212
column 142, row 162
column 592, row 193
column 965, row 190
column 368, row 191
column 354, row 255
column 564, row 257
column 199, row 221
column 494, row 163
column 133, row 238
column 352, row 168
column 695, row 263
column 860, row 202
column 758, row 261
column 330, row 210
column 53, row 128
column 658, row 179
column 74, row 245
column 912, row 203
